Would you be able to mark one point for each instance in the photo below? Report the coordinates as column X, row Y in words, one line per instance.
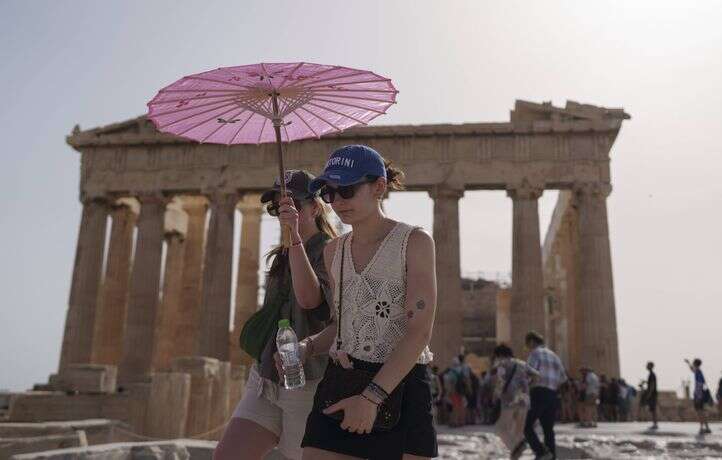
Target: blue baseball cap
column 350, row 165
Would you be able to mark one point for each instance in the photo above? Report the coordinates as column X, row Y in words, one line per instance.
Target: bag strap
column 340, row 294
column 508, row 380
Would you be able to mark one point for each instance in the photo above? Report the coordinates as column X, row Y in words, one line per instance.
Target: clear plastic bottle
column 287, row 343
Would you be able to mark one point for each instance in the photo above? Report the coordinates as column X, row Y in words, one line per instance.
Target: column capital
column 526, row 190
column 150, row 198
column 222, row 197
column 592, row 189
column 129, row 203
column 250, row 204
column 445, row 191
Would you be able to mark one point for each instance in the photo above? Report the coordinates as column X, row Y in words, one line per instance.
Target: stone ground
column 615, row 441
column 607, row 441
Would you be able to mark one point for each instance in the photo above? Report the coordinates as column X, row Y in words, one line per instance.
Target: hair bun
column 394, row 176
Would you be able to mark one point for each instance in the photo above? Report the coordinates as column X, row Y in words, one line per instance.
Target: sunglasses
column 273, row 208
column 328, row 193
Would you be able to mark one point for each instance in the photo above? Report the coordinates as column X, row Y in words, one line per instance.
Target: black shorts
column 414, row 434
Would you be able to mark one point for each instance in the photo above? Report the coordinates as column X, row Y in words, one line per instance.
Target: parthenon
column 139, row 307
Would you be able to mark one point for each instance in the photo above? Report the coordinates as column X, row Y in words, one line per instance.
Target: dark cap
column 297, row 183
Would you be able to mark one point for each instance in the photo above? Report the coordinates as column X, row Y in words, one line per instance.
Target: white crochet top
column 374, row 319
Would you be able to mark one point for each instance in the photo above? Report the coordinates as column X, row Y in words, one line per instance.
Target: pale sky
column 96, row 63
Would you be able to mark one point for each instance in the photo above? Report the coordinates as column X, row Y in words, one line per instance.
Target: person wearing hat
column 268, row 415
column 384, row 283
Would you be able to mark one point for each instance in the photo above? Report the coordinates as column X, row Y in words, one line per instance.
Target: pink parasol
column 274, row 102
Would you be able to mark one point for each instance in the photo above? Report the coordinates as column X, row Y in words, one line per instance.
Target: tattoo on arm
column 420, row 305
column 410, row 314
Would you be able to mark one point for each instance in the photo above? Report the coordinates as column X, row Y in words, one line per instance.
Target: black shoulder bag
column 339, row 383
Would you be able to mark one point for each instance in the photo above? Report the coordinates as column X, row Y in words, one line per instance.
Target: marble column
column 446, row 341
column 190, row 314
column 138, row 339
column 527, row 286
column 598, row 334
column 114, row 298
column 80, row 319
column 247, row 283
column 168, row 318
column 216, row 292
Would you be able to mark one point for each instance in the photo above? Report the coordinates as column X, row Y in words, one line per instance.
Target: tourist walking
column 269, row 415
column 589, row 395
column 702, row 396
column 374, row 400
column 511, row 388
column 650, row 394
column 544, row 397
column 719, row 397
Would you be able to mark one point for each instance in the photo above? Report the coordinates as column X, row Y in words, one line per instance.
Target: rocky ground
column 607, row 441
column 614, row 441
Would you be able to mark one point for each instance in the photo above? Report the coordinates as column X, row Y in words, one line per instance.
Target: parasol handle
column 277, row 122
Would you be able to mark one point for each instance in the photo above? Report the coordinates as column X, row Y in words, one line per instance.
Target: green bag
column 257, row 331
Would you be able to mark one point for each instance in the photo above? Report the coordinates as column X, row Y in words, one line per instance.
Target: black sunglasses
column 273, row 208
column 328, row 193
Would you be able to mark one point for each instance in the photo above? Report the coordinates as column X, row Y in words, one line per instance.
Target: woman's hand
column 359, row 414
column 288, row 216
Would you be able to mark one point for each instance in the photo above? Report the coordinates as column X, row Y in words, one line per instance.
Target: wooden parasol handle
column 277, row 122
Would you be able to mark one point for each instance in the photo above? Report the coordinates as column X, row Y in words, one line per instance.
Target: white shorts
column 283, row 412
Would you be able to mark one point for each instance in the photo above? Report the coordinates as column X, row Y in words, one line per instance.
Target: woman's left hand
column 288, row 215
column 359, row 414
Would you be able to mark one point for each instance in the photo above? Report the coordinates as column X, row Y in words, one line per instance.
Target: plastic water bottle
column 287, row 343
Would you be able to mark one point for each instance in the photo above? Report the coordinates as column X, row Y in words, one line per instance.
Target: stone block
column 179, row 449
column 220, row 400
column 87, row 378
column 238, row 383
column 168, row 402
column 203, row 372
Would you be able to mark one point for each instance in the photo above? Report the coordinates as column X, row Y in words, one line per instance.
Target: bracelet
column 295, row 245
column 376, row 390
column 370, row 400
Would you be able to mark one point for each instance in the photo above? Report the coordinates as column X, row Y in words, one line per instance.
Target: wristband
column 375, row 389
column 370, row 400
column 294, row 245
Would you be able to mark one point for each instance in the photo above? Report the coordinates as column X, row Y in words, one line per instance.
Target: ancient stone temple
column 149, row 309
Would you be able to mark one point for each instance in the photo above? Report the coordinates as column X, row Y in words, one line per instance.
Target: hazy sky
column 95, row 63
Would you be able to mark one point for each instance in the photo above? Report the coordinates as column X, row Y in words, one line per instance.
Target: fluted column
column 114, row 298
column 186, row 341
column 446, row 340
column 168, row 318
column 138, row 339
column 527, row 286
column 247, row 283
column 80, row 319
column 598, row 337
column 216, row 292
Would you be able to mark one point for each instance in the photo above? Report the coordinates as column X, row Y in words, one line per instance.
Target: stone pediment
column 527, row 117
column 532, row 111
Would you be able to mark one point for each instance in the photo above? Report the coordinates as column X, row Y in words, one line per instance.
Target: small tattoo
column 420, row 304
column 410, row 314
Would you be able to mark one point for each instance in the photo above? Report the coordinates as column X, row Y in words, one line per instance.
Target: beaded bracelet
column 377, row 390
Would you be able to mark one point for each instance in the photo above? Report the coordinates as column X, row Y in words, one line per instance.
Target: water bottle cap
column 284, row 323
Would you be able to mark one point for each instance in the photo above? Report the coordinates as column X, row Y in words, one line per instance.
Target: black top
column 652, row 383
